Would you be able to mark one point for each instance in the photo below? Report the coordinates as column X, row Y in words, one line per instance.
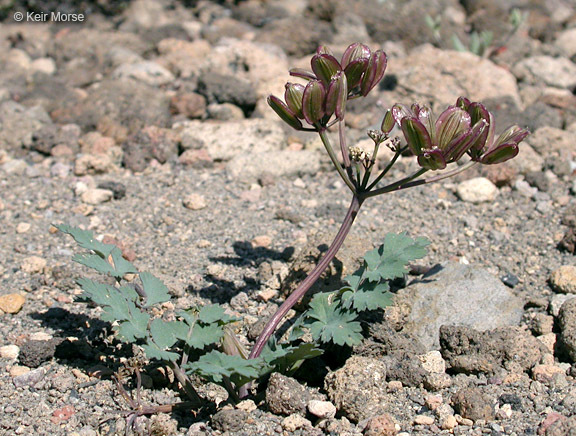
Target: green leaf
column 370, row 296
column 332, row 324
column 95, row 262
column 389, row 261
column 214, row 366
column 154, row 352
column 155, row 290
column 163, row 333
column 97, row 292
column 136, row 327
column 286, row 358
column 121, row 265
column 85, row 239
column 214, row 313
column 205, row 335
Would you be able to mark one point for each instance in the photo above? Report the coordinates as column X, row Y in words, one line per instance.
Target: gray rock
column 148, row 72
column 559, row 72
column 285, row 396
column 222, row 88
column 471, row 352
column 358, row 389
column 455, row 294
column 567, row 326
column 125, row 103
column 30, row 378
column 34, row 352
column 223, row 141
column 229, row 420
column 18, row 124
column 441, row 76
column 149, row 143
column 472, row 403
column 566, row 42
column 284, row 163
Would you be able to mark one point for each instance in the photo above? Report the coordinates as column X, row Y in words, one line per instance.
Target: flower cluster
column 330, row 84
column 465, row 127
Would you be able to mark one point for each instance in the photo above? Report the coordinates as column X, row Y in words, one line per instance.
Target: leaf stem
column 307, row 283
column 386, row 169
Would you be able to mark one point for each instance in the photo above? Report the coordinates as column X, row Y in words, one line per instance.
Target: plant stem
column 186, row 385
column 344, row 148
column 326, row 141
column 406, row 182
column 309, row 280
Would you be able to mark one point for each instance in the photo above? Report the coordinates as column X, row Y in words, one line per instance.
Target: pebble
column 557, row 301
column 12, row 303
column 294, row 422
column 433, row 401
column 60, row 170
column 322, row 409
column 448, row 423
column 262, row 241
column 23, row 227
column 381, row 425
column 247, row 405
column 62, row 414
column 9, row 352
column 33, row 264
column 477, row 190
column 29, row 378
column 423, row 420
column 194, row 202
column 18, row 370
column 549, row 341
column 545, row 373
column 433, row 362
column 97, row 196
column 563, row 279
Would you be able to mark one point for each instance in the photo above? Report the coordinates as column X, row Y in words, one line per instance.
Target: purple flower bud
column 322, row 49
column 500, row 154
column 313, row 102
column 354, row 52
column 451, row 124
column 401, row 111
column 463, row 103
column 416, row 135
column 354, row 71
column 388, row 122
column 374, row 71
column 284, row 112
column 293, row 96
column 337, row 96
column 432, row 160
column 325, row 66
column 302, row 73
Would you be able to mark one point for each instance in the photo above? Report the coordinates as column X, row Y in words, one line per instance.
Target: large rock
column 358, row 389
column 455, row 294
column 250, row 167
column 470, row 351
column 567, row 326
column 18, row 124
column 442, row 76
column 223, row 141
column 559, row 72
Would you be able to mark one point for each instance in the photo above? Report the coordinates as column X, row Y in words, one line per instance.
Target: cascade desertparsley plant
column 200, row 341
column 465, row 129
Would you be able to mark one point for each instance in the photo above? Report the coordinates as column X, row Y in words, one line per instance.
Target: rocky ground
column 146, row 122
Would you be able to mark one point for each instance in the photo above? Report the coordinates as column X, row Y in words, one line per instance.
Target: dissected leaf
column 154, row 352
column 136, row 327
column 286, row 358
column 332, row 323
column 155, row 290
column 214, row 366
column 390, row 259
column 163, row 333
column 214, row 313
column 203, row 336
column 370, row 296
column 85, row 239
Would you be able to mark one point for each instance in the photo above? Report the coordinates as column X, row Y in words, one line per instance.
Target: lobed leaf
column 155, row 290
column 389, row 261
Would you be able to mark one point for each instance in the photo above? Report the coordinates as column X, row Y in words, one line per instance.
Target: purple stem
column 309, row 280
